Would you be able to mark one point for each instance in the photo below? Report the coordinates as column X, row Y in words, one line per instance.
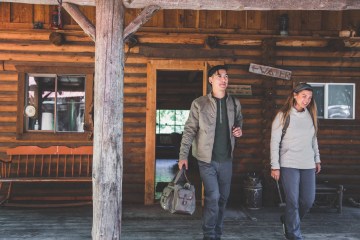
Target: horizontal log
column 8, row 77
column 8, row 108
column 46, row 47
column 235, row 5
column 43, row 35
column 44, row 57
column 136, row 69
column 54, row 2
column 301, row 43
column 139, row 90
column 8, row 87
column 8, row 119
column 342, row 142
column 316, row 53
column 286, row 63
column 10, row 65
column 324, row 72
column 239, row 5
column 188, row 53
column 44, row 179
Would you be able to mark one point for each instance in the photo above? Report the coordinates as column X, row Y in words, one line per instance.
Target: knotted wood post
column 108, row 121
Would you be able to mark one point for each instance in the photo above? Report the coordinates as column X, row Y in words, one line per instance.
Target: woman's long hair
column 290, row 102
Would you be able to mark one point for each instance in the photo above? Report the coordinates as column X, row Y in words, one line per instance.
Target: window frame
column 22, row 133
column 326, row 98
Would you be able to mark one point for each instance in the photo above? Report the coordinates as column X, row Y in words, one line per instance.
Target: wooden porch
column 151, row 222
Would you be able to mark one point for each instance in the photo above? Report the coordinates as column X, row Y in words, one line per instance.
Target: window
column 56, row 103
column 170, row 121
column 335, row 100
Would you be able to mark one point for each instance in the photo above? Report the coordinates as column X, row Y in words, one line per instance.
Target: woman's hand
column 237, row 132
column 275, row 174
column 318, row 168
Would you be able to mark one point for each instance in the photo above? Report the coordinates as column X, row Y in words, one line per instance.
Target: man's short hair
column 214, row 69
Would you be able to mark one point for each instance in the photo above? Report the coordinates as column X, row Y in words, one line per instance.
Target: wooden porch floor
column 151, row 222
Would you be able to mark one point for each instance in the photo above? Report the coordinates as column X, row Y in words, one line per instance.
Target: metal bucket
column 253, row 193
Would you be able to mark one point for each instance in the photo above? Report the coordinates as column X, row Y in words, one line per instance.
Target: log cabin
column 47, row 69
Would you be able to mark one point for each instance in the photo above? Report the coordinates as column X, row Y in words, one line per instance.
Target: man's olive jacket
column 199, row 130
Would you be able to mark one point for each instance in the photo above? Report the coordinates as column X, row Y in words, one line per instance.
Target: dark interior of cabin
column 175, row 92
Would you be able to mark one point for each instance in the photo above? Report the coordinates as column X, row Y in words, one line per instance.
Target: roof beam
column 239, row 5
column 236, row 5
column 54, row 2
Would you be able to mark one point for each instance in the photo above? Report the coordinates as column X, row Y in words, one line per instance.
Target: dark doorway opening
column 175, row 92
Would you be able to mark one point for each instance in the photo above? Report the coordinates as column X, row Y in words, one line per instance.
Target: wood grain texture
column 108, row 120
column 81, row 19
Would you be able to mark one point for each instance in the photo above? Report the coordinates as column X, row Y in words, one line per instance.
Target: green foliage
column 169, row 121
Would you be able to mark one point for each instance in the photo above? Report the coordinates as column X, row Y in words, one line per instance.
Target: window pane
column 40, row 94
column 47, row 102
column 167, row 117
column 32, row 103
column 319, row 96
column 166, row 129
column 340, row 101
column 169, row 121
column 181, row 116
column 70, row 104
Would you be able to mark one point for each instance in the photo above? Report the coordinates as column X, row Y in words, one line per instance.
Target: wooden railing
column 33, row 164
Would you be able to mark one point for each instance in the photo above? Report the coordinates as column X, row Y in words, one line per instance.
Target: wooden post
column 108, row 122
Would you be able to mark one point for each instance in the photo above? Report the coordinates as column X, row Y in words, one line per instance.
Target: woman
column 295, row 156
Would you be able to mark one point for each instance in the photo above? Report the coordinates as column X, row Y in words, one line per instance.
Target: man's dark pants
column 216, row 177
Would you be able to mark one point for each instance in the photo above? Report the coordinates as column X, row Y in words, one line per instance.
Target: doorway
column 171, row 69
column 175, row 92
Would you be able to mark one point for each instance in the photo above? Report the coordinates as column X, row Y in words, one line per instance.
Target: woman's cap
column 216, row 68
column 301, row 87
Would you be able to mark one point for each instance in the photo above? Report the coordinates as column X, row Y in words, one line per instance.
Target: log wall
column 313, row 52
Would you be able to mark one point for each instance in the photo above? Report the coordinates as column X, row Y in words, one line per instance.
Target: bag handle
column 178, row 176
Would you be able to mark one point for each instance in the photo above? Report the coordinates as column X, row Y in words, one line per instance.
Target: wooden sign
column 239, row 90
column 270, row 71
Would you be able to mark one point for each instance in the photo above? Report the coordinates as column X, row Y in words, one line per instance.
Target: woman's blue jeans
column 216, row 177
column 299, row 188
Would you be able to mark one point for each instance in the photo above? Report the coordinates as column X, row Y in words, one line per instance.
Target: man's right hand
column 181, row 163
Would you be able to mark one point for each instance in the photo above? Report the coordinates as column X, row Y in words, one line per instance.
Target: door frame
column 152, row 67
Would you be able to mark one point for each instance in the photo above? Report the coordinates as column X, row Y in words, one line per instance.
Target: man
column 214, row 122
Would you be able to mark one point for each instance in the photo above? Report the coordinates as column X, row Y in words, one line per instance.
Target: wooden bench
column 55, row 164
column 329, row 196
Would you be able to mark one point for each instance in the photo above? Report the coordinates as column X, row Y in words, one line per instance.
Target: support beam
column 239, row 5
column 81, row 19
column 108, row 123
column 234, row 5
column 140, row 20
column 54, row 2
